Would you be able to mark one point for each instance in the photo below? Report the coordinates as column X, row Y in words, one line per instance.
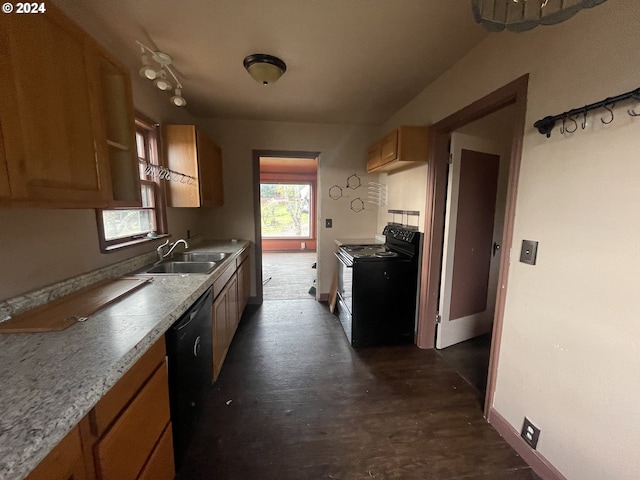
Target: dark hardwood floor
column 471, row 360
column 295, row 401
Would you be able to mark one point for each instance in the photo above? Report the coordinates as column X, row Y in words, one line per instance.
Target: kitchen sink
column 172, row 267
column 199, row 256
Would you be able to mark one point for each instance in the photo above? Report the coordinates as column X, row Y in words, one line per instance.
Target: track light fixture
column 159, row 75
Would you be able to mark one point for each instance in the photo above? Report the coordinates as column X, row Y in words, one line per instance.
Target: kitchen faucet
column 171, row 246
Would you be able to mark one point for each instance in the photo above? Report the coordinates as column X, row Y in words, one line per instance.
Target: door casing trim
column 514, row 93
column 256, row 207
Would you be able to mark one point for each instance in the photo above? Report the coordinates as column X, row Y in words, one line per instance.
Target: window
column 284, row 210
column 128, row 226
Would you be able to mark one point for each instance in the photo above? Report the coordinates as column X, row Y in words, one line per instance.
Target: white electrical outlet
column 530, row 433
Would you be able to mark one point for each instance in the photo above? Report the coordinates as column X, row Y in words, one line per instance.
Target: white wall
column 569, row 358
column 342, row 152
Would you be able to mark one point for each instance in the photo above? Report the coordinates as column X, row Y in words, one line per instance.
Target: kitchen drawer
column 160, row 465
column 242, row 257
column 116, row 399
column 222, row 280
column 125, row 448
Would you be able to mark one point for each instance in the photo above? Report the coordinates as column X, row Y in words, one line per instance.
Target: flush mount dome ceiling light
column 522, row 15
column 158, row 73
column 265, row 69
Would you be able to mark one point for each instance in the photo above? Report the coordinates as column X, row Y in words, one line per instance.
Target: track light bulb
column 177, row 99
column 162, row 83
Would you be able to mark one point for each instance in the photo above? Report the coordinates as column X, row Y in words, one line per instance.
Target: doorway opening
column 285, row 189
column 477, row 185
column 513, row 94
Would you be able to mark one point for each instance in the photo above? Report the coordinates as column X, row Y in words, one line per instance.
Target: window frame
column 150, row 131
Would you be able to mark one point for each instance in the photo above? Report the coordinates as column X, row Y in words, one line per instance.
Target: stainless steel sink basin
column 182, row 267
column 200, row 256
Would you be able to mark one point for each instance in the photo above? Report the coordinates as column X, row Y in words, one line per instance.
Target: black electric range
column 377, row 289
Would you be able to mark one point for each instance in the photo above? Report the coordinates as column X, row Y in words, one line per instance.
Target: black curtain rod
column 546, row 125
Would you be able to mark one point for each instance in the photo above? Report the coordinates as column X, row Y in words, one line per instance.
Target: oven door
column 345, row 283
column 345, row 297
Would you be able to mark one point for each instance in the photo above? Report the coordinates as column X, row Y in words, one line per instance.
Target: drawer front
column 110, row 406
column 242, row 257
column 218, row 285
column 125, row 448
column 160, row 465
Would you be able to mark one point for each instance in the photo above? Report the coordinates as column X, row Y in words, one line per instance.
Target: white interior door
column 470, row 262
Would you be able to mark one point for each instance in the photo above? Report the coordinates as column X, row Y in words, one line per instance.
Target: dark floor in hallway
column 294, row 401
column 471, row 360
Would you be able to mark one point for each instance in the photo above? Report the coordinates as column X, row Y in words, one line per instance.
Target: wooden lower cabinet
column 244, row 285
column 225, row 322
column 228, row 305
column 220, row 336
column 124, row 450
column 65, row 462
column 160, row 465
column 129, row 435
column 126, row 436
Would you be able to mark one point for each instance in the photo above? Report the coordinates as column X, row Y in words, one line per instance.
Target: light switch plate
column 529, row 252
column 328, row 223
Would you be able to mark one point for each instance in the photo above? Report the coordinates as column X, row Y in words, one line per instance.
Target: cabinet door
column 123, row 451
column 116, row 137
column 244, row 287
column 232, row 308
column 65, row 462
column 219, row 333
column 180, row 155
column 49, row 141
column 160, row 465
column 389, row 148
column 373, row 156
column 210, row 171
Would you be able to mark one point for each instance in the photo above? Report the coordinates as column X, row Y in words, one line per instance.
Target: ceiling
column 348, row 61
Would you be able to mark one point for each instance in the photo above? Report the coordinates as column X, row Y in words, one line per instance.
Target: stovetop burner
column 385, row 254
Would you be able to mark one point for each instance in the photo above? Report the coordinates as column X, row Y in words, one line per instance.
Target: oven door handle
column 347, row 263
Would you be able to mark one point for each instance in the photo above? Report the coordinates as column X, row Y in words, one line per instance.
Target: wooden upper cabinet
column 64, row 102
column 116, row 134
column 189, row 151
column 402, row 148
column 45, row 111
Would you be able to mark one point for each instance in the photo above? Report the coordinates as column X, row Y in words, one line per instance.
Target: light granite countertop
column 50, row 381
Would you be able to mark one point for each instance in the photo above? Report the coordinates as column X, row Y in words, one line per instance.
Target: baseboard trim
column 537, row 462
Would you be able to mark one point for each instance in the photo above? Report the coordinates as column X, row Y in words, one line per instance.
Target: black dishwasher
column 190, row 351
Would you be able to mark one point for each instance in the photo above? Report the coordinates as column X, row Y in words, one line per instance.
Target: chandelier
column 521, row 15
